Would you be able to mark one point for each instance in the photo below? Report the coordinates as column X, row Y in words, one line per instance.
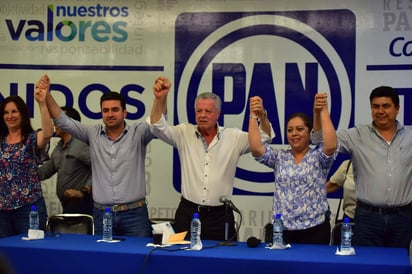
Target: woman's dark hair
column 112, row 95
column 26, row 127
column 306, row 119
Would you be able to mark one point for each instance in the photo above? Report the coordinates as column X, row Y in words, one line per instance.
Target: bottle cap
column 346, row 220
column 278, row 216
column 196, row 215
column 107, row 209
column 33, row 207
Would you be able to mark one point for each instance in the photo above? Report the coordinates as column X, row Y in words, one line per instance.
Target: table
column 70, row 253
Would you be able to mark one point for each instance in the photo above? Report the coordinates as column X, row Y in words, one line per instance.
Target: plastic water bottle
column 107, row 225
column 195, row 229
column 34, row 218
column 346, row 236
column 278, row 229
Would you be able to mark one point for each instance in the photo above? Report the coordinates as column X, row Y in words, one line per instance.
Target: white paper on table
column 109, row 241
column 164, row 228
column 34, row 234
column 279, row 246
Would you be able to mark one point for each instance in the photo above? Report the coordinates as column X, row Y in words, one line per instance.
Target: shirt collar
column 219, row 131
column 125, row 130
column 399, row 126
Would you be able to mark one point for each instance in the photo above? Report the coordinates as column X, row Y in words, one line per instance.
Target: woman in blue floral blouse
column 20, row 151
column 300, row 174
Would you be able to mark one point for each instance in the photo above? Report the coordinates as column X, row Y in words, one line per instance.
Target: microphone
column 229, row 203
column 253, row 242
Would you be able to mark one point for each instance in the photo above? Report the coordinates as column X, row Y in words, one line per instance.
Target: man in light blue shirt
column 117, row 152
column 381, row 155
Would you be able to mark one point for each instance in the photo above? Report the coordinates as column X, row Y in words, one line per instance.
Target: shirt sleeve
column 46, row 170
column 162, row 130
column 339, row 176
column 266, row 139
column 316, row 137
column 269, row 157
column 75, row 128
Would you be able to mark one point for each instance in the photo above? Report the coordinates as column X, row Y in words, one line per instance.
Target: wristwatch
column 85, row 191
column 265, row 114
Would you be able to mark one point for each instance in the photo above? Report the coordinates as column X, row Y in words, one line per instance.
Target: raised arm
column 52, row 106
column 321, row 119
column 316, row 116
column 44, row 135
column 161, row 88
column 255, row 142
column 256, row 107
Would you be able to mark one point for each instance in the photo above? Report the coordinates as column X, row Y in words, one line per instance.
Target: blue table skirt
column 82, row 254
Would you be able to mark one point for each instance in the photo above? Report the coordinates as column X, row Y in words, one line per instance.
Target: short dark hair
column 306, row 119
column 112, row 95
column 72, row 113
column 385, row 91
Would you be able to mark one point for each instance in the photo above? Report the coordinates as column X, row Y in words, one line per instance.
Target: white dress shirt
column 207, row 171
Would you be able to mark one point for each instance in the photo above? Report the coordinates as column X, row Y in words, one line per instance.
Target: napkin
column 34, row 234
column 279, row 246
column 345, row 252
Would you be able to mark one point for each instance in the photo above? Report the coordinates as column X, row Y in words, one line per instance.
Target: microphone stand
column 227, row 241
column 226, row 223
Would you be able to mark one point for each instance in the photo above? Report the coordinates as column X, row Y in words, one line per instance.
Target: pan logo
column 283, row 57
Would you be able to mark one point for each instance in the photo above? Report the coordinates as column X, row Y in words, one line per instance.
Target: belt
column 121, row 207
column 383, row 210
column 202, row 208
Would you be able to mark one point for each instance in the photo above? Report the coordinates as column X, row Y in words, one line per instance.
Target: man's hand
column 321, row 102
column 42, row 87
column 161, row 87
column 256, row 107
column 73, row 193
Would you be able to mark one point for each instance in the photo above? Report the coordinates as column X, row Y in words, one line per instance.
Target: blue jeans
column 15, row 222
column 133, row 222
column 390, row 230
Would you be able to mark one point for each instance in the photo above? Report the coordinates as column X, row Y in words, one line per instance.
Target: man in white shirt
column 209, row 156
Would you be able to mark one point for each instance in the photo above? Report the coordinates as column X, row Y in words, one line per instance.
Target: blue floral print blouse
column 300, row 189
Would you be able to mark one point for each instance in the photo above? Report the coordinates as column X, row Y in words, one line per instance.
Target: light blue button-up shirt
column 382, row 170
column 118, row 166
